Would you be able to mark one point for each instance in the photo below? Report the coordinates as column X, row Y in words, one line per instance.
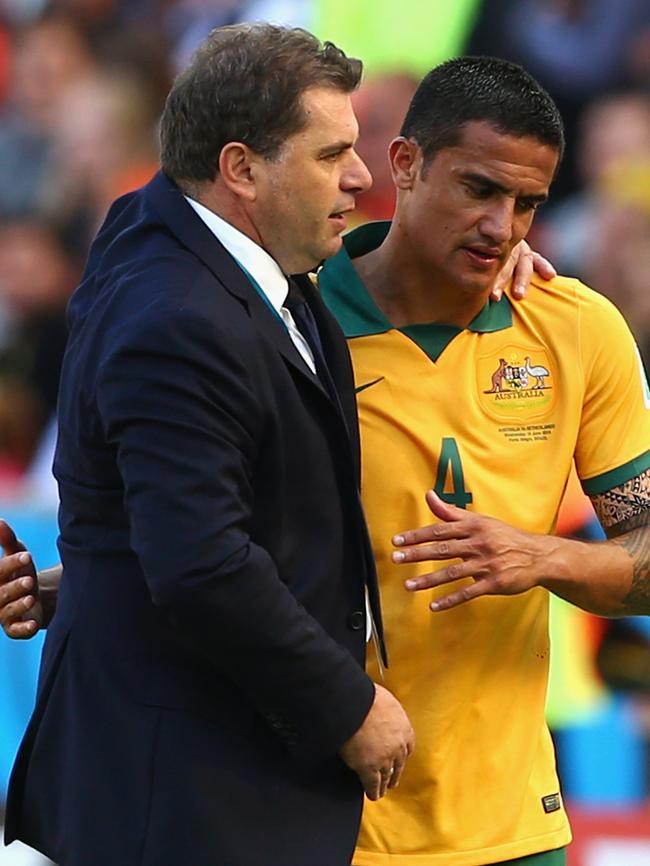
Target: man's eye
column 478, row 191
column 524, row 206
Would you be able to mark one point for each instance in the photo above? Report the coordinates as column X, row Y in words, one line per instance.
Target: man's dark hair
column 485, row 89
column 245, row 83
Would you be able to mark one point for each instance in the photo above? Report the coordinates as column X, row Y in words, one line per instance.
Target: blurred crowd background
column 82, row 85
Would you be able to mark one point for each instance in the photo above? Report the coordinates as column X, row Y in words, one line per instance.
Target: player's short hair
column 484, row 89
column 245, row 83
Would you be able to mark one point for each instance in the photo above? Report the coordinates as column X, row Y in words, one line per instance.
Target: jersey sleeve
column 614, row 438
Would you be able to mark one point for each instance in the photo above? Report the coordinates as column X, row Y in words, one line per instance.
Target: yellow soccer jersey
column 492, row 417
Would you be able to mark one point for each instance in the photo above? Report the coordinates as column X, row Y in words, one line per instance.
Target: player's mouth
column 483, row 257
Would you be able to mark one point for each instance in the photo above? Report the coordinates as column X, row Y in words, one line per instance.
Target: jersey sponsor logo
column 361, row 388
column 644, row 380
column 517, row 382
column 552, row 803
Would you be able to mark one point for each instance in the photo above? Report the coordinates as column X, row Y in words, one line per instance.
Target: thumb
column 8, row 540
column 443, row 510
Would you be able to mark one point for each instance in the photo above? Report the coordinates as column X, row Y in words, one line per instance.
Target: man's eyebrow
column 485, row 181
column 335, row 147
column 490, row 184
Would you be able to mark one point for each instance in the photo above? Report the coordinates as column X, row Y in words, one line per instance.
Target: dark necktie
column 306, row 324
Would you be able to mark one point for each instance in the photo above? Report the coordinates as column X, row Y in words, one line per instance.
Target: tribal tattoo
column 624, row 513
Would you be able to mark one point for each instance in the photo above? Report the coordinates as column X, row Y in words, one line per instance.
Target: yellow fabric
column 473, row 679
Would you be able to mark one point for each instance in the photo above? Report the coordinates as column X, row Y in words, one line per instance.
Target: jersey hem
column 478, row 857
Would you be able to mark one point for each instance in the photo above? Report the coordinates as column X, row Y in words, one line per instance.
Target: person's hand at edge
column 519, row 267
column 378, row 751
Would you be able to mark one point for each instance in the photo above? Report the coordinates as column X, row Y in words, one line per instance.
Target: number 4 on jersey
column 450, row 475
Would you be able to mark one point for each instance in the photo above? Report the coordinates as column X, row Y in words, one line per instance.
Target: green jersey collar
column 359, row 316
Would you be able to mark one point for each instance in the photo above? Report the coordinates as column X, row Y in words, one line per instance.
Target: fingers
column 543, row 267
column 14, row 566
column 443, row 510
column 22, row 630
column 457, row 571
column 454, row 525
column 15, row 588
column 377, row 782
column 434, row 551
column 385, row 775
column 467, row 593
column 8, row 541
column 523, row 271
column 398, row 769
column 15, row 604
column 371, row 781
column 503, row 278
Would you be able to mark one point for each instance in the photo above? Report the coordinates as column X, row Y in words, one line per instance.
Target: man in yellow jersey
column 488, row 404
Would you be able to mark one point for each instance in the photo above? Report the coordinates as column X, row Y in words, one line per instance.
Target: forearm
column 48, row 589
column 597, row 576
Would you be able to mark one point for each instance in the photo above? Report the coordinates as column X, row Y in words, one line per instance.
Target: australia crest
column 517, row 382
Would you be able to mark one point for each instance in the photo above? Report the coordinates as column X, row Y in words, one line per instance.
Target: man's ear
column 236, row 169
column 405, row 159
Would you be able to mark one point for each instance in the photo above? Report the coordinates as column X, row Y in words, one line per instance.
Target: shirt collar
column 347, row 297
column 259, row 264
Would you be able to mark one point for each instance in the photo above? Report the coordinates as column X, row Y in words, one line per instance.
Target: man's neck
column 407, row 295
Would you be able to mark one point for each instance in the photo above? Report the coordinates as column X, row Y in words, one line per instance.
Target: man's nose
column 356, row 176
column 497, row 223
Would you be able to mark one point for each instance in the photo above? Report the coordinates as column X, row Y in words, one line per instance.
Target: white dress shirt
column 264, row 270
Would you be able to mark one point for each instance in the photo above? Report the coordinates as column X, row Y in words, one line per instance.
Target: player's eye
column 479, row 191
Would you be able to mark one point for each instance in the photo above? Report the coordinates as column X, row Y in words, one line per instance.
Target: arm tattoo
column 624, row 513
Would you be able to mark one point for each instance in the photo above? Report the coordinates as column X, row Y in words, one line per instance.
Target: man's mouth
column 483, row 256
column 339, row 218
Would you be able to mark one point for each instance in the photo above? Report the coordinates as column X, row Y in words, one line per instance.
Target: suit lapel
column 338, row 360
column 192, row 232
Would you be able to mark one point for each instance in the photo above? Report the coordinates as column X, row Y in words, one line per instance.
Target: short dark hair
column 480, row 88
column 245, row 83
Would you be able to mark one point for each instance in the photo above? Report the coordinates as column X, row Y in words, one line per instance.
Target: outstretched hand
column 500, row 559
column 519, row 267
column 20, row 609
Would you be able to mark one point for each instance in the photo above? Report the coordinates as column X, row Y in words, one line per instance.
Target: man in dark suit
column 202, row 698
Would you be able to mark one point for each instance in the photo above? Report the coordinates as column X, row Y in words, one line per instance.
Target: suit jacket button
column 357, row 620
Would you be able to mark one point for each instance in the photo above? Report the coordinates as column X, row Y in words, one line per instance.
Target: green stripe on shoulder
column 616, row 477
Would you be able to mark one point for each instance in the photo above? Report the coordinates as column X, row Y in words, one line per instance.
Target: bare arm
column 624, row 513
column 610, row 578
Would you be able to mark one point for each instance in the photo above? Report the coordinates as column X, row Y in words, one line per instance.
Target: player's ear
column 405, row 158
column 236, row 169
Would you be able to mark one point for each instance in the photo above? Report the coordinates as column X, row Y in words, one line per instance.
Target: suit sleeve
column 178, row 407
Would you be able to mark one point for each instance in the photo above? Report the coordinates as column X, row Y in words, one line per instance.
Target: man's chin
column 332, row 247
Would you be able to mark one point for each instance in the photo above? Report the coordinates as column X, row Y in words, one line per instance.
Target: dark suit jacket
column 206, row 660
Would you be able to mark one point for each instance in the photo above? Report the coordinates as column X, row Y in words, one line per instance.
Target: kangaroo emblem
column 497, row 378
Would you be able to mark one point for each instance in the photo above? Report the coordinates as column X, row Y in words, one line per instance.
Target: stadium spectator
column 610, row 216
column 36, row 279
column 104, row 144
column 578, row 49
column 48, row 56
column 380, row 104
